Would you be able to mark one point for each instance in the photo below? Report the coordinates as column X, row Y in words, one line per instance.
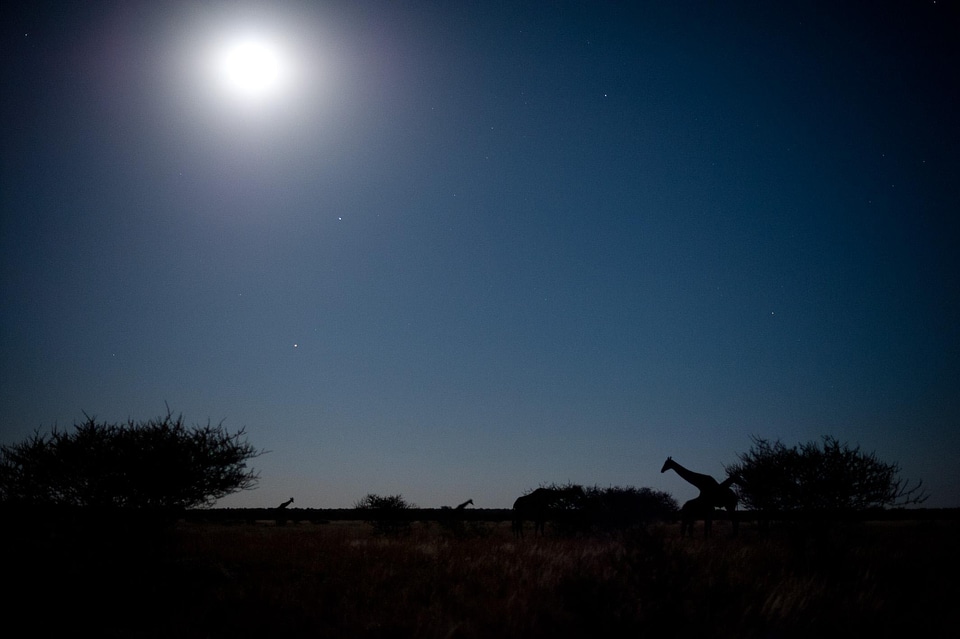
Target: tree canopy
column 155, row 464
column 388, row 509
column 818, row 477
column 617, row 507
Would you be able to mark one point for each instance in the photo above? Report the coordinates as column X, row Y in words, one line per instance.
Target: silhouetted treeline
column 321, row 515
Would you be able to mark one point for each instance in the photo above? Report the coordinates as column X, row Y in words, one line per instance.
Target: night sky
column 460, row 249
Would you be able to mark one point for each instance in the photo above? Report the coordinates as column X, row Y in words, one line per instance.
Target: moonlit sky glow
column 456, row 250
column 251, row 67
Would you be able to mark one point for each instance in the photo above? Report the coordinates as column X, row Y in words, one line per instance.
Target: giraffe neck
column 703, row 482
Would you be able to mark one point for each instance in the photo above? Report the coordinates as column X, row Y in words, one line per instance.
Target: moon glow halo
column 253, row 69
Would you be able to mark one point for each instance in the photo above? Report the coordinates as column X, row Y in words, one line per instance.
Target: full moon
column 251, row 75
column 253, row 68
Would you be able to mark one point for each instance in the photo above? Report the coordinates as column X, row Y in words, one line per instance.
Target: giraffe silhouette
column 281, row 520
column 538, row 504
column 713, row 495
column 453, row 519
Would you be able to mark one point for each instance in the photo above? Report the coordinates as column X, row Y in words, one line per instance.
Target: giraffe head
column 667, row 464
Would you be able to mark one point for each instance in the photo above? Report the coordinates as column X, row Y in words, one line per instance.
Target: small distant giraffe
column 453, row 518
column 537, row 506
column 713, row 494
column 282, row 521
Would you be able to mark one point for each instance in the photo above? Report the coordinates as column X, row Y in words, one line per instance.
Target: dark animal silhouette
column 453, row 518
column 537, row 505
column 281, row 520
column 713, row 495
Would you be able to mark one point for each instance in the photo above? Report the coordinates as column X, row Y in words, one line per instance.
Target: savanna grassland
column 339, row 579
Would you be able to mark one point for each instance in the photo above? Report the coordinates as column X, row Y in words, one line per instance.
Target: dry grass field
column 340, row 580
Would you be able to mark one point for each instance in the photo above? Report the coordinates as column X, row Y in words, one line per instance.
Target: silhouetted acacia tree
column 560, row 504
column 157, row 464
column 830, row 476
column 389, row 518
column 619, row 507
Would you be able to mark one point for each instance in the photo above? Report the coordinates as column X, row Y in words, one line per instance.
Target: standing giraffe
column 452, row 519
column 538, row 504
column 696, row 508
column 713, row 494
column 282, row 521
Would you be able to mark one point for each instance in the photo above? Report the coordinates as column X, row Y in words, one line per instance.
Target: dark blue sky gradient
column 490, row 245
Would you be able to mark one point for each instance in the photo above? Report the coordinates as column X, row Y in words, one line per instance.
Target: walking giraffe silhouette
column 537, row 506
column 713, row 495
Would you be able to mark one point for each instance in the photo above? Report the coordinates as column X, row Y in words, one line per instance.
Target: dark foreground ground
column 472, row 579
